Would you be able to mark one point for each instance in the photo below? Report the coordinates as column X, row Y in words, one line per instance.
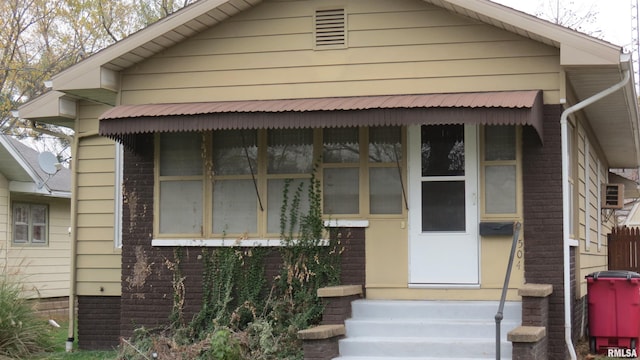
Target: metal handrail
column 499, row 316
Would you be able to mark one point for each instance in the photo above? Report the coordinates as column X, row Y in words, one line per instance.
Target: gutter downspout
column 565, row 202
column 73, row 246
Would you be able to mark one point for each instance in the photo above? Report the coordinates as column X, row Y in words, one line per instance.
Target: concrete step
column 456, row 328
column 424, row 330
column 405, row 309
column 404, row 358
column 441, row 348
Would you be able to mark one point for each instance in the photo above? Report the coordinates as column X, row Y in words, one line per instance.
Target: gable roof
column 590, row 65
column 19, row 164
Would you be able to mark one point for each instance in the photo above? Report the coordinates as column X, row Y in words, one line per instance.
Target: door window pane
column 235, row 207
column 500, row 189
column 340, row 191
column 442, row 150
column 340, row 145
column 235, row 152
column 385, row 191
column 289, row 151
column 180, row 154
column 385, row 144
column 443, row 206
column 181, row 207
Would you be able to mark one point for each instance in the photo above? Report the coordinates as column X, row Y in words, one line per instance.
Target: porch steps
column 423, row 330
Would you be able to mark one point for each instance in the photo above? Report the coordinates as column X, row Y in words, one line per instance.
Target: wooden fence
column 624, row 244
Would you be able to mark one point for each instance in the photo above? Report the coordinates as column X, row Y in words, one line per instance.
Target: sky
column 613, row 17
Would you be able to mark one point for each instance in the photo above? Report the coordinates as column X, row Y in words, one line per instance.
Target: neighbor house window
column 231, row 183
column 500, row 170
column 30, row 224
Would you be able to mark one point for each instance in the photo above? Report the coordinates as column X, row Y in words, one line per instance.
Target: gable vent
column 330, row 28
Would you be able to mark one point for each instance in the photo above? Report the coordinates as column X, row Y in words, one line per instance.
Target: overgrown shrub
column 22, row 332
column 240, row 317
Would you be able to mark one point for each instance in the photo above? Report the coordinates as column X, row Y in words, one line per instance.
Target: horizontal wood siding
column 98, row 260
column 398, row 47
column 44, row 270
column 591, row 257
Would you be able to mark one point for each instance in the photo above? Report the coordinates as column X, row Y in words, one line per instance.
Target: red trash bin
column 614, row 310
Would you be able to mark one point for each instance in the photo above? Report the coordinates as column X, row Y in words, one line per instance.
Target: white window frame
column 29, row 241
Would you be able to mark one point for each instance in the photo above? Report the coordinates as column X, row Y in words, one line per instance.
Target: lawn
column 60, row 354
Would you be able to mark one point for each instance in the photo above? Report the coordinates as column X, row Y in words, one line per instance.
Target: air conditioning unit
column 612, row 196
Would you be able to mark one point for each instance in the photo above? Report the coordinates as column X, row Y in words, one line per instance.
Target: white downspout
column 565, row 202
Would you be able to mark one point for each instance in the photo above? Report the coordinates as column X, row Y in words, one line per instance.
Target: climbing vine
column 244, row 314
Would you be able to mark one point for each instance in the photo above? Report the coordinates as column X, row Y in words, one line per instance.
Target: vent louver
column 330, row 28
column 612, row 196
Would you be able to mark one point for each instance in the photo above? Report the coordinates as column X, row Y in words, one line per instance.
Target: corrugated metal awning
column 488, row 108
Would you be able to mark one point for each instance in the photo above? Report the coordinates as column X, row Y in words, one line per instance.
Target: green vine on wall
column 240, row 317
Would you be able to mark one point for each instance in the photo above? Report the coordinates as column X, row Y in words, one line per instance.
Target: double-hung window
column 30, row 224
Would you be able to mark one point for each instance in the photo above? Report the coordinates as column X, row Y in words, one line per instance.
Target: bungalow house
column 35, row 218
column 440, row 124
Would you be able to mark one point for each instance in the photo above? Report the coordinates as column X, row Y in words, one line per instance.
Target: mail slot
column 496, row 228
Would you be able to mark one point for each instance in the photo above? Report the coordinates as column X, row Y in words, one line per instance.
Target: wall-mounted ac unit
column 612, row 196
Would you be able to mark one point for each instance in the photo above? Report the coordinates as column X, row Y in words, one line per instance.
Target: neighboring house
column 36, row 219
column 456, row 110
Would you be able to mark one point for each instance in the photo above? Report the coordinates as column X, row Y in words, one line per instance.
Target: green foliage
column 308, row 262
column 223, row 347
column 22, row 332
column 239, row 317
column 233, row 286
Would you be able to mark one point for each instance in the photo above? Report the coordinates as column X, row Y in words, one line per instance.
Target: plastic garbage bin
column 614, row 310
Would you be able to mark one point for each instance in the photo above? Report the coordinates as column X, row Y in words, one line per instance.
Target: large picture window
column 230, row 183
column 30, row 224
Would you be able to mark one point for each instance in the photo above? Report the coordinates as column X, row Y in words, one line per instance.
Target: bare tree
column 574, row 14
column 39, row 38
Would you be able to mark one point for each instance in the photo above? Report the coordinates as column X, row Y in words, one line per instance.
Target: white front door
column 443, row 205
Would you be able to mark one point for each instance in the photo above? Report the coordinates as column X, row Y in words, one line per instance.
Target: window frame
column 30, row 225
column 517, row 162
column 262, row 178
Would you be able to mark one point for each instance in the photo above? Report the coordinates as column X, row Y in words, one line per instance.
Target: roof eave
column 89, row 73
column 575, row 48
column 52, row 107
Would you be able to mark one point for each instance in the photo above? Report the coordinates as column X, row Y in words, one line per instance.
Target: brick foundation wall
column 321, row 349
column 542, row 186
column 353, row 258
column 98, row 322
column 531, row 351
column 56, row 308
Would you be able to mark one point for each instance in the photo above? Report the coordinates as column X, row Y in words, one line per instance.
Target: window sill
column 221, row 242
column 346, row 223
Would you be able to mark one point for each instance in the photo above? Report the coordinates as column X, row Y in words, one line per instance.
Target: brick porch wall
column 147, row 294
column 542, row 184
